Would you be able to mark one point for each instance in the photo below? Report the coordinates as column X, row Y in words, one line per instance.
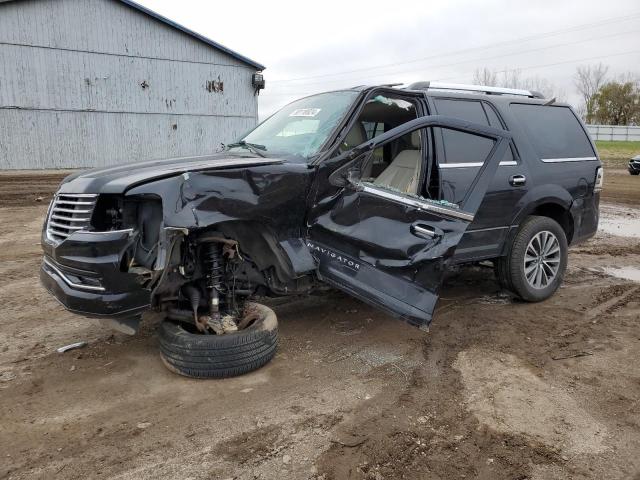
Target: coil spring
column 213, row 261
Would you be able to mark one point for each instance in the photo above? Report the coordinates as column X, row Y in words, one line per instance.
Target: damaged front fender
column 262, row 207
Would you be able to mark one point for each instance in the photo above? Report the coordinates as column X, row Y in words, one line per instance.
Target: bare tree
column 510, row 79
column 514, row 79
column 485, row 77
column 588, row 80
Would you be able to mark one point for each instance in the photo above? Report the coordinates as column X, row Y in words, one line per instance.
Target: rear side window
column 554, row 131
column 458, row 147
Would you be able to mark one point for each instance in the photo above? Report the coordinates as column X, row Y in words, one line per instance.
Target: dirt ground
column 497, row 389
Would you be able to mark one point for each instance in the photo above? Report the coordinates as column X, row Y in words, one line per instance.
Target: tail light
column 599, row 179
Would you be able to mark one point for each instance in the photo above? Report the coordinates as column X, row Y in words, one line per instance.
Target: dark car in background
column 372, row 190
column 634, row 165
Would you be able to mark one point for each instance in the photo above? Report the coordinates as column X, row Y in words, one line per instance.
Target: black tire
column 634, row 172
column 500, row 266
column 220, row 356
column 510, row 270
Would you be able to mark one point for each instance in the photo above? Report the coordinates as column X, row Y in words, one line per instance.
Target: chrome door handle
column 423, row 231
column 518, row 180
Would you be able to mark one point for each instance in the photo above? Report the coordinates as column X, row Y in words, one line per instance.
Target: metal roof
column 189, row 32
column 195, row 35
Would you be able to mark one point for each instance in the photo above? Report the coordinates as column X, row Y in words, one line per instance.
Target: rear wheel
column 535, row 264
column 190, row 353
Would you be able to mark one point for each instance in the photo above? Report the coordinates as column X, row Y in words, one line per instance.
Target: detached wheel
column 218, row 356
column 535, row 265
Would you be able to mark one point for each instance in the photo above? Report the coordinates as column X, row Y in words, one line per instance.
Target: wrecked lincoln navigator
column 371, row 190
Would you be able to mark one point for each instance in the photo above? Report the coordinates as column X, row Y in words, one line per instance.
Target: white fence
column 623, row 133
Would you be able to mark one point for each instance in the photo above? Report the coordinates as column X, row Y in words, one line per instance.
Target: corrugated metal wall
column 94, row 82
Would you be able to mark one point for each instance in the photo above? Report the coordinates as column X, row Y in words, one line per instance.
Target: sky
column 309, row 47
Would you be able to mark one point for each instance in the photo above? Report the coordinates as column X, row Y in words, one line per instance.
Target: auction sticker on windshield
column 305, row 112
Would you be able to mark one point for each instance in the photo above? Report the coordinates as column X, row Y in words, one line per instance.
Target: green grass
column 617, row 154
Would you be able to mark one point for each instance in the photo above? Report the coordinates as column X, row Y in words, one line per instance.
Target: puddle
column 628, row 273
column 620, row 221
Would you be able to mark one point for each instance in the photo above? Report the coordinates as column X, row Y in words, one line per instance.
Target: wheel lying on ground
column 218, row 356
column 534, row 267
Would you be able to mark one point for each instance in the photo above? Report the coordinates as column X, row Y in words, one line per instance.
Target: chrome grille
column 69, row 213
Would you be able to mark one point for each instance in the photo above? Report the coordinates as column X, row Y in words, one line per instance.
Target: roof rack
column 474, row 88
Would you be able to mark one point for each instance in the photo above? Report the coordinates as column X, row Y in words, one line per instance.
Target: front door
column 380, row 239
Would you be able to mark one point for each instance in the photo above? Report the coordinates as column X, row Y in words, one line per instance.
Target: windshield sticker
column 305, row 112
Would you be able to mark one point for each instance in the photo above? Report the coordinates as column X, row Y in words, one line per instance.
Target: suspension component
column 214, row 267
column 193, row 295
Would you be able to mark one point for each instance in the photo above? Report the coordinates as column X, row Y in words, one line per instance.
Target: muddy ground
column 497, row 389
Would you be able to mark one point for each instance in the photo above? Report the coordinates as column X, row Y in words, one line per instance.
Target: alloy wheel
column 542, row 260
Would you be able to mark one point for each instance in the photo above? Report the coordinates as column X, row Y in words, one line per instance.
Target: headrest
column 415, row 139
column 355, row 136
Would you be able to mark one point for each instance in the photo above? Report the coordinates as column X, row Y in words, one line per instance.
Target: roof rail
column 474, row 88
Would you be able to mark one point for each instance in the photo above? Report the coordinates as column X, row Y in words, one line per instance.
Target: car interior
column 397, row 164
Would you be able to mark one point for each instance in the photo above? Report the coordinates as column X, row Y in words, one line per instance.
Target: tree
column 485, row 77
column 514, row 79
column 617, row 103
column 588, row 80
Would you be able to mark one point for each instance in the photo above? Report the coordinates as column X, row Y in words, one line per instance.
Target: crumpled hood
column 121, row 178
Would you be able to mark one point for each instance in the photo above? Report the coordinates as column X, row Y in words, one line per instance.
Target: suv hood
column 121, row 178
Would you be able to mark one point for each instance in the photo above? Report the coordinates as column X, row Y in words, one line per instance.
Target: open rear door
column 390, row 247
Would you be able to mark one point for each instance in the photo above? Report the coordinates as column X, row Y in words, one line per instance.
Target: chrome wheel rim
column 542, row 260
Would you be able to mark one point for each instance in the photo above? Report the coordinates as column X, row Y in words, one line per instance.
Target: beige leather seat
column 403, row 172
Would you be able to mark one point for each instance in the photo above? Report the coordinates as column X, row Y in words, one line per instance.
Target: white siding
column 71, row 95
column 622, row 133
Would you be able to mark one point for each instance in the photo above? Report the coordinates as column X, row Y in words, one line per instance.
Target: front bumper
column 634, row 167
column 84, row 274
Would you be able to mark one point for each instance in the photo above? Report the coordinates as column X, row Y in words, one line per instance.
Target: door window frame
column 349, row 173
column 484, row 104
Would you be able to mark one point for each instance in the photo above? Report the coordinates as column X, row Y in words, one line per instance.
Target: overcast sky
column 308, row 46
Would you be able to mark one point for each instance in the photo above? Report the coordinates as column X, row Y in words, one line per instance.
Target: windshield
column 301, row 127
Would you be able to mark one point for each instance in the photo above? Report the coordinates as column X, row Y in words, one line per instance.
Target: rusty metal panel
column 94, row 82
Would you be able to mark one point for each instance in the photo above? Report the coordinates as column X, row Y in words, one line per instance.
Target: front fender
column 263, row 208
column 273, row 195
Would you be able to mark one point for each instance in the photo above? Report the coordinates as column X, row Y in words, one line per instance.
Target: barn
column 88, row 83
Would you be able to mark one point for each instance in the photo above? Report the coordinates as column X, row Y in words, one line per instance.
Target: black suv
column 371, row 190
